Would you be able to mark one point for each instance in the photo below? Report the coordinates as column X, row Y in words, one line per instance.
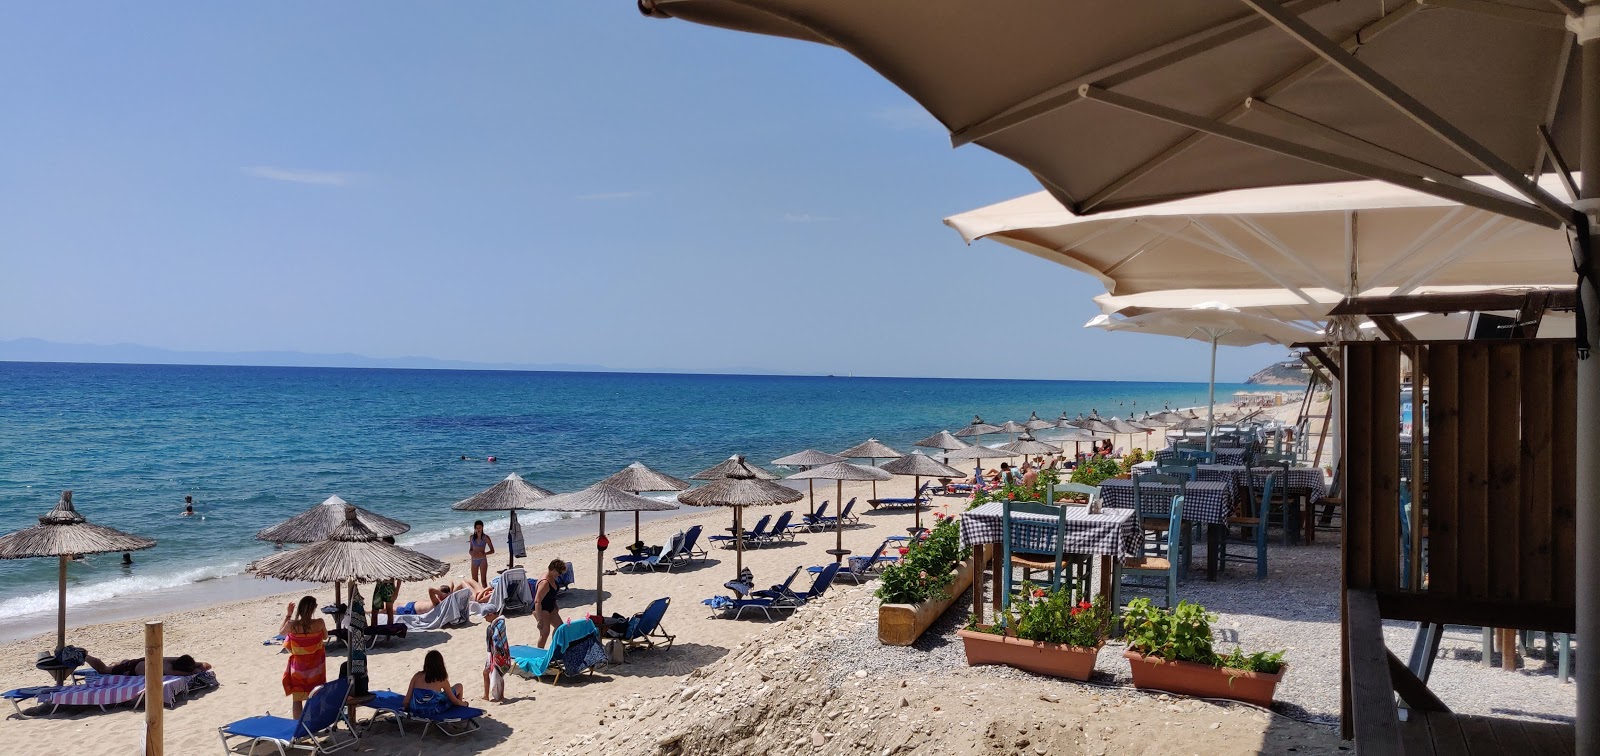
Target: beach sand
column 539, row 717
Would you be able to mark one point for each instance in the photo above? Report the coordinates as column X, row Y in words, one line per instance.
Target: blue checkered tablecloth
column 1210, row 502
column 1113, row 532
column 1224, row 456
column 1302, row 481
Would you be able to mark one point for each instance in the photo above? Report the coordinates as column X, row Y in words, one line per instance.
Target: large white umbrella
column 1221, row 326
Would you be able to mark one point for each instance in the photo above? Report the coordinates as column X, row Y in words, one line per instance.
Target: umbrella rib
column 1361, row 36
column 1409, row 106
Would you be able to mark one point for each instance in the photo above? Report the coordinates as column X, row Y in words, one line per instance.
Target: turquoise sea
column 254, row 445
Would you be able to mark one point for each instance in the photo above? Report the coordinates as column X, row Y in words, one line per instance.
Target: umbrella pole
column 61, row 605
column 738, row 542
column 874, row 483
column 1588, row 406
column 1211, row 400
column 811, row 487
column 916, row 504
column 636, row 524
column 838, row 526
column 600, row 571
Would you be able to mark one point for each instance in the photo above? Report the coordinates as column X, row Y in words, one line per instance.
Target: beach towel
column 509, row 588
column 452, row 612
column 308, row 664
column 499, row 656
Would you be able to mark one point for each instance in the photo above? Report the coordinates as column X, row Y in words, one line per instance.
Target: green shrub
column 1038, row 615
column 1092, row 470
column 925, row 572
column 1183, row 633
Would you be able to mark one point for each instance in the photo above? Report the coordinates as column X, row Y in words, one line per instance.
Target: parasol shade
column 1033, row 422
column 64, row 532
column 870, row 449
column 510, row 494
column 980, row 452
column 352, row 552
column 842, row 471
column 977, row 428
column 917, row 463
column 722, row 469
column 638, row 477
column 319, row 522
column 1027, row 447
column 603, row 497
column 739, row 486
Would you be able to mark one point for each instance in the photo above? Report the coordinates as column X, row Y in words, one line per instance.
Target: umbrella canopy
column 808, row 458
column 637, row 477
column 1027, row 447
column 942, row 440
column 1012, row 426
column 61, row 533
column 353, row 552
column 64, row 532
column 1213, row 323
column 739, row 486
column 723, row 468
column 982, row 452
column 1033, row 422
column 603, row 497
column 919, row 466
column 1076, row 435
column 1092, row 424
column 319, row 522
column 870, row 449
column 839, row 472
column 510, row 494
column 977, row 428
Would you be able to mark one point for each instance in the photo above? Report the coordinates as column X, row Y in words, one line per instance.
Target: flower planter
column 902, row 624
column 1203, row 680
column 1054, row 659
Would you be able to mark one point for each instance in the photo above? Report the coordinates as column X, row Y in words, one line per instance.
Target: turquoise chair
column 1033, row 543
column 1145, row 566
column 1254, row 523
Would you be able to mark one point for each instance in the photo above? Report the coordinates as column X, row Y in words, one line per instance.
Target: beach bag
column 616, row 651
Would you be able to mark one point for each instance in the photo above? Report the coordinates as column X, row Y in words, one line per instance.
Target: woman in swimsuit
column 544, row 601
column 479, row 547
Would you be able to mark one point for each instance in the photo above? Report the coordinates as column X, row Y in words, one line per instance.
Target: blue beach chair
column 813, row 522
column 787, row 603
column 917, row 499
column 645, row 630
column 394, row 704
column 315, row 729
column 757, row 532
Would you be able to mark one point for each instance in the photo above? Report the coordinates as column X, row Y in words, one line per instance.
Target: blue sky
column 556, row 181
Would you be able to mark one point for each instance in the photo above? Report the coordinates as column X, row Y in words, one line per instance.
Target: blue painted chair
column 1144, row 566
column 1253, row 529
column 1034, row 541
column 315, row 729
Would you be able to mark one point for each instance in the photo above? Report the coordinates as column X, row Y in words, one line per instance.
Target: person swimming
column 188, row 506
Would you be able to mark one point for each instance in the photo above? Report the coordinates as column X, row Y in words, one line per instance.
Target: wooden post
column 600, row 571
column 61, row 607
column 977, row 582
column 738, row 541
column 154, row 695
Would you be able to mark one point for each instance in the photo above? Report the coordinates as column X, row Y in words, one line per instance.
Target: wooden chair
column 1143, row 566
column 1255, row 522
column 1154, row 527
column 1032, row 544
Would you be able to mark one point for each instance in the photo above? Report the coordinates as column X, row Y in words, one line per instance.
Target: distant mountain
column 38, row 350
column 1287, row 373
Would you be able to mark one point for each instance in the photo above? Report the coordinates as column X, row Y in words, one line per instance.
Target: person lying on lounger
column 172, row 665
column 437, row 594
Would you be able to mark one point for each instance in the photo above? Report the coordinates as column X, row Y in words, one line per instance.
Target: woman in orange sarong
column 304, row 635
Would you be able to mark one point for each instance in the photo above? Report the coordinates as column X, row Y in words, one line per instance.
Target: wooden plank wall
column 1501, row 491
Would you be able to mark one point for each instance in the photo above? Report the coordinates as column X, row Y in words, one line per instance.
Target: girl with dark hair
column 479, row 547
column 430, row 691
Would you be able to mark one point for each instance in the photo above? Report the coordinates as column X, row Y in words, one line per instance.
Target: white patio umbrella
column 1220, row 326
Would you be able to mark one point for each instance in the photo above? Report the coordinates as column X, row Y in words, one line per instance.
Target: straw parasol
column 319, row 522
column 1033, row 422
column 61, row 533
column 721, row 470
column 807, row 459
column 874, row 450
column 1027, row 446
column 603, row 497
column 1077, row 436
column 839, row 472
column 944, row 440
column 917, row 465
column 980, row 453
column 637, row 478
column 977, row 429
column 510, row 494
column 738, row 486
column 1014, row 428
column 352, row 553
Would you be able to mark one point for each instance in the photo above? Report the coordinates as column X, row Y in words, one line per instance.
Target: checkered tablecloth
column 1206, row 501
column 1302, row 481
column 111, row 690
column 1224, row 456
column 1113, row 532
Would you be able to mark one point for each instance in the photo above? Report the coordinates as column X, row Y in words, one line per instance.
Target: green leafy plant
column 1183, row 633
column 925, row 572
column 1051, row 617
column 1133, row 458
column 1092, row 470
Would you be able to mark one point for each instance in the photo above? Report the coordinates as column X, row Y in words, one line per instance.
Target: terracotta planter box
column 1203, row 680
column 1054, row 659
column 902, row 624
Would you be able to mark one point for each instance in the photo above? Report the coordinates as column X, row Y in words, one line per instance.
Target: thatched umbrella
column 1013, row 427
column 979, row 454
column 943, row 440
column 1027, row 446
column 1077, row 436
column 839, row 472
column 1123, row 427
column 1033, row 422
column 602, row 498
column 806, row 460
column 977, row 429
column 508, row 495
column 319, row 522
column 735, row 462
column 739, row 487
column 352, row 553
column 917, row 465
column 61, row 533
column 637, row 478
column 874, row 450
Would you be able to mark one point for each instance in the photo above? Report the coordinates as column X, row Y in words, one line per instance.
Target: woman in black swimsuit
column 544, row 601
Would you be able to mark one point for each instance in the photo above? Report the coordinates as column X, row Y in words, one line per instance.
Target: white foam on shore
column 97, row 592
column 499, row 524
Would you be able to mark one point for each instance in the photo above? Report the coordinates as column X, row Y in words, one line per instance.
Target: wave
column 499, row 524
column 93, row 593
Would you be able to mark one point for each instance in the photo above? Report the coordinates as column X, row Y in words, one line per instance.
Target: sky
column 512, row 182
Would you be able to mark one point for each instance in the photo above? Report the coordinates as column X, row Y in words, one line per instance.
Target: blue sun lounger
column 644, row 629
column 786, row 603
column 918, row 500
column 394, row 704
column 315, row 729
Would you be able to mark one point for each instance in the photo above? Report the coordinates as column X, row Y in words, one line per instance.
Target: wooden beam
column 1391, row 328
column 1532, row 312
column 1512, row 299
column 1521, row 615
column 1376, row 725
column 1412, row 690
column 1322, row 357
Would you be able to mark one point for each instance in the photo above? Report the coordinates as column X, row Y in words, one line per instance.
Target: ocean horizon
column 255, row 445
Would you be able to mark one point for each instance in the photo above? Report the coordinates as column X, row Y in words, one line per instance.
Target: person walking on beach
column 303, row 635
column 544, row 601
column 498, row 662
column 479, row 547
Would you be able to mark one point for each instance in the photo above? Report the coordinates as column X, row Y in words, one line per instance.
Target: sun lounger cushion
column 452, row 612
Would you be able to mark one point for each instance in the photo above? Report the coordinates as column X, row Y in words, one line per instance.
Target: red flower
column 1075, row 611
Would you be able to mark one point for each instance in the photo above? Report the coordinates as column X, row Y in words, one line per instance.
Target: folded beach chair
column 779, row 530
column 918, row 500
column 453, row 721
column 535, row 662
column 813, row 521
column 454, row 611
column 786, row 603
column 315, row 729
column 510, row 591
column 644, row 629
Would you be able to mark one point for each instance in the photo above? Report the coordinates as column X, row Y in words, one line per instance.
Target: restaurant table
column 1208, row 502
column 1225, row 456
column 1111, row 534
column 1304, row 485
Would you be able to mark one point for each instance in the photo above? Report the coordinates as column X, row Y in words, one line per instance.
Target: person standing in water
column 188, row 506
column 479, row 547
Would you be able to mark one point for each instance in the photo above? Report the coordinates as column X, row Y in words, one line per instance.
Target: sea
column 255, row 445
